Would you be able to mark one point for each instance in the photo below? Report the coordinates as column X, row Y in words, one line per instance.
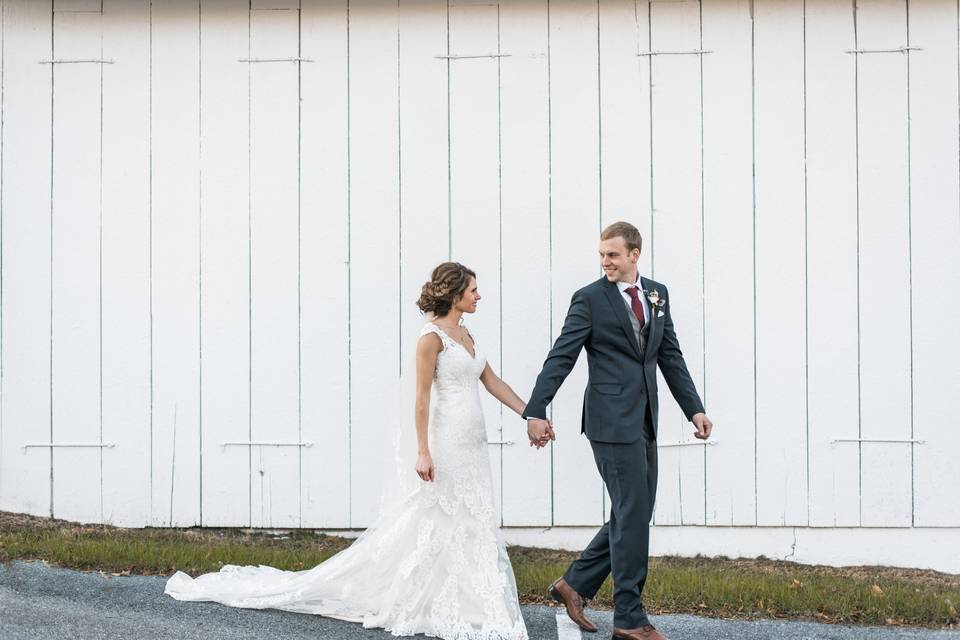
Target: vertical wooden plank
column 424, row 177
column 625, row 119
column 475, row 185
column 780, row 263
column 832, row 264
column 75, row 267
column 575, row 228
column 424, row 180
column 677, row 243
column 525, row 159
column 374, row 244
column 26, row 250
column 624, row 83
column 175, row 491
column 884, row 264
column 274, row 268
column 126, row 262
column 224, row 254
column 323, row 268
column 935, row 238
column 728, row 261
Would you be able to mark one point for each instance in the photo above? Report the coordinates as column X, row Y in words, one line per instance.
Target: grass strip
column 704, row 586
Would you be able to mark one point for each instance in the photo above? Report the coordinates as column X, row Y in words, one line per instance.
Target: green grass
column 766, row 588
column 712, row 587
column 162, row 551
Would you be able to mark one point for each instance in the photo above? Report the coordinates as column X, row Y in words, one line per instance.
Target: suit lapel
column 620, row 311
column 654, row 320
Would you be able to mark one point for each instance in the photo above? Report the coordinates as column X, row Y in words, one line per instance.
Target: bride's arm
column 501, row 390
column 428, row 347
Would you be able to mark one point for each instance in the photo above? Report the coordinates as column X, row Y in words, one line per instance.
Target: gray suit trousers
column 629, row 472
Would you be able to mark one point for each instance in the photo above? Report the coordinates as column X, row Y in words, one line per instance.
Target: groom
column 624, row 323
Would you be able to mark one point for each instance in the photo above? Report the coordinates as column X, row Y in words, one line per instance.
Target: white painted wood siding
column 216, row 218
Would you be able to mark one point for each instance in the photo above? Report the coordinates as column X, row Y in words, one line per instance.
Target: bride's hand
column 425, row 468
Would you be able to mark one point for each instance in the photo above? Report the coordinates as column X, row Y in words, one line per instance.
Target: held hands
column 703, row 426
column 540, row 432
column 425, row 468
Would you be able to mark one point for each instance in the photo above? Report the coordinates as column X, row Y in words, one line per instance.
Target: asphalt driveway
column 38, row 602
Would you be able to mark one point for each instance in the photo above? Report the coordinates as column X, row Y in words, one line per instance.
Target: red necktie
column 635, row 304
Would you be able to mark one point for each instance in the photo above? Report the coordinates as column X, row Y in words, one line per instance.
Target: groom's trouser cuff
column 587, row 573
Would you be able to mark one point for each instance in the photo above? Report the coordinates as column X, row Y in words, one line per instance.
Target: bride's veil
column 400, row 478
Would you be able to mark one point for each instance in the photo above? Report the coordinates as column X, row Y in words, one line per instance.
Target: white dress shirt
column 623, row 286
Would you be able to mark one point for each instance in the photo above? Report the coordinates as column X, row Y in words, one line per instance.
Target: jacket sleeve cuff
column 694, row 411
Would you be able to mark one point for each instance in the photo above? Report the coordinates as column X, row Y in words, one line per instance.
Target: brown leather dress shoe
column 565, row 594
column 646, row 632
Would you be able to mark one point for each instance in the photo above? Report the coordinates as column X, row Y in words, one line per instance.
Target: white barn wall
column 780, row 287
column 324, row 270
column 884, row 264
column 729, row 389
column 275, row 266
column 75, row 266
column 574, row 214
column 832, row 276
column 214, row 221
column 373, row 228
column 935, row 250
column 125, row 263
column 475, row 187
column 26, row 473
column 174, row 251
column 527, row 486
column 624, row 120
column 676, row 174
column 224, row 265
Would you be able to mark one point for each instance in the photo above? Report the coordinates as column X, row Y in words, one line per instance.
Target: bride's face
column 467, row 303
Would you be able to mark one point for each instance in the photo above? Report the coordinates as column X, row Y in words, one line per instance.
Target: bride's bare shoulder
column 430, row 340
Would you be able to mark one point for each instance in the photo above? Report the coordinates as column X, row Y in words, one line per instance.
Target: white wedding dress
column 434, row 563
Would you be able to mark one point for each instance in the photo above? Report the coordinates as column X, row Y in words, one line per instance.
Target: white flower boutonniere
column 656, row 302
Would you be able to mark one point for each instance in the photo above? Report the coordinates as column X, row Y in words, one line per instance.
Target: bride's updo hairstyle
column 447, row 283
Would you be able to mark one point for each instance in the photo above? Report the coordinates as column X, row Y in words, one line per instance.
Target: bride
column 434, row 562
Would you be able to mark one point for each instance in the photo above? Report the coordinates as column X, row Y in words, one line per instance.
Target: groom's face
column 618, row 263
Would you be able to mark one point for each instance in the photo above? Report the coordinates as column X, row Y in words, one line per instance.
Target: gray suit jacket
column 622, row 378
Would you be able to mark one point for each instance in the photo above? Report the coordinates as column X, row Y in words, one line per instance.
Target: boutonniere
column 656, row 302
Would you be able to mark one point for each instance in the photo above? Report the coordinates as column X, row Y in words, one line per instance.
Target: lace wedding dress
column 434, row 563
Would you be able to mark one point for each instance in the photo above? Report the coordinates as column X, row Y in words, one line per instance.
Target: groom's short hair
column 625, row 230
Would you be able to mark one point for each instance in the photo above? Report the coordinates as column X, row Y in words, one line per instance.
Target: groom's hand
column 703, row 425
column 540, row 432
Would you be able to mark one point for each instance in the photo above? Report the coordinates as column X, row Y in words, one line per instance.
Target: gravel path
column 38, row 602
